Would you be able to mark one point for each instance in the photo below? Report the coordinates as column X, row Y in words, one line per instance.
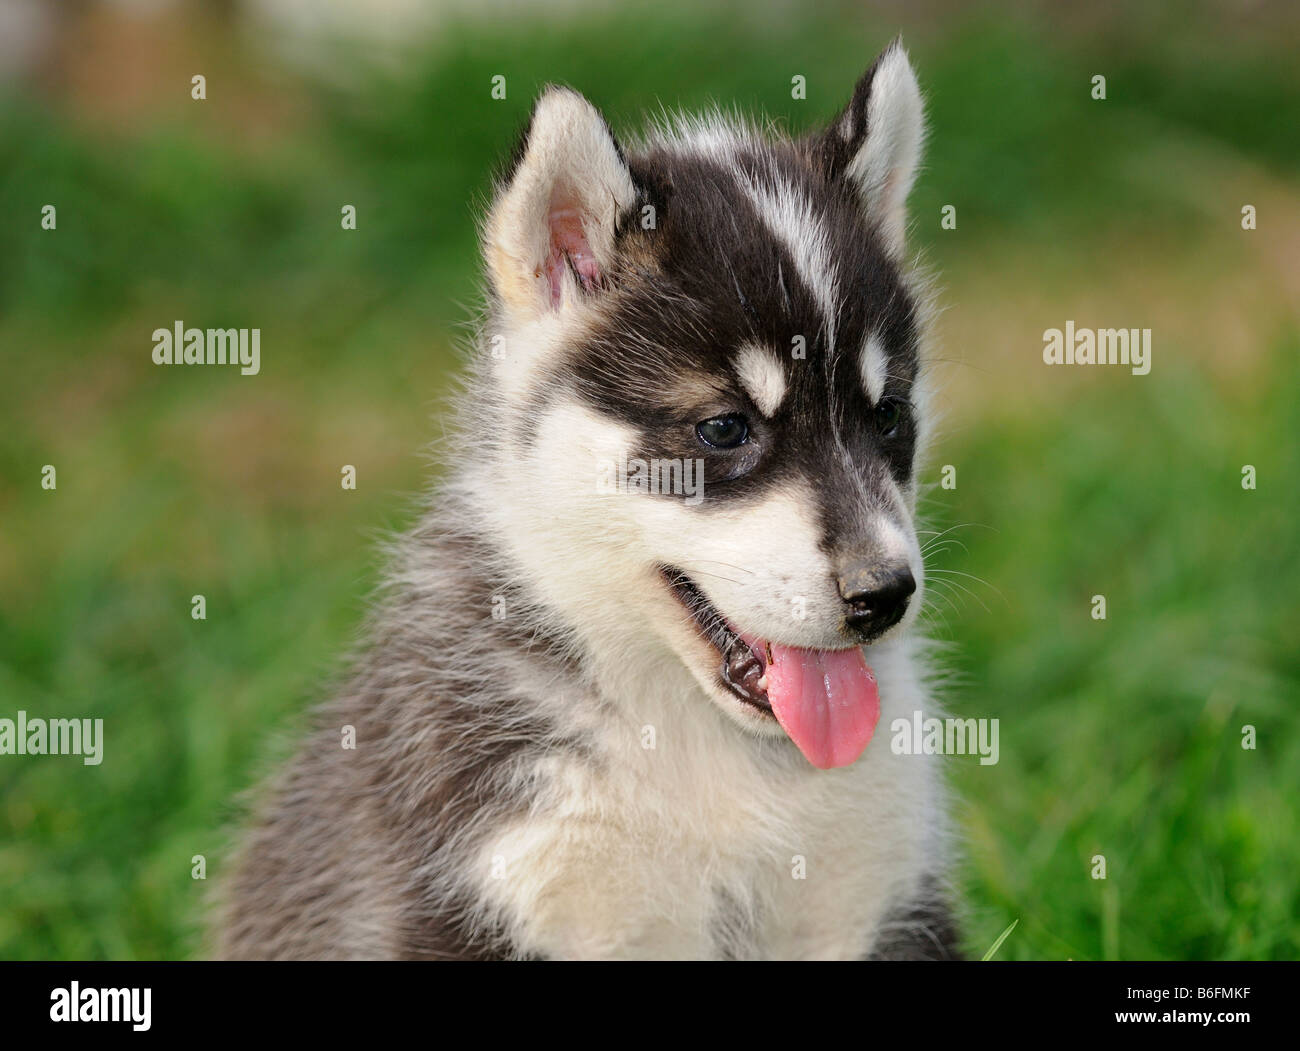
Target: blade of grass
column 998, row 944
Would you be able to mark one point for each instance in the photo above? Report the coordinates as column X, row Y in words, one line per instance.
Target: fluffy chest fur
column 676, row 838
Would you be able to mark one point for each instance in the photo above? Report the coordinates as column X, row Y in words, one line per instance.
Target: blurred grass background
column 1119, row 738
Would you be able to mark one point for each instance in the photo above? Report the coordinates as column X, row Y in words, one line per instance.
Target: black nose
column 876, row 595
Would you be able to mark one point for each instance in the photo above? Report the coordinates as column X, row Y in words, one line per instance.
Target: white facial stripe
column 874, row 365
column 790, row 218
column 762, row 377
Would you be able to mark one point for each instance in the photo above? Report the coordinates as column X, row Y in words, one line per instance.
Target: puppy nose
column 876, row 595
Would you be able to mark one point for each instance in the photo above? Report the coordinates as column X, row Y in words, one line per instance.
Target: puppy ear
column 875, row 143
column 549, row 238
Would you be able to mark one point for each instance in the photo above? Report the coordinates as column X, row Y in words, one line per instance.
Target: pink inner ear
column 569, row 250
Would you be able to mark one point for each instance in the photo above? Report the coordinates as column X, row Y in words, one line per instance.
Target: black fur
column 711, row 277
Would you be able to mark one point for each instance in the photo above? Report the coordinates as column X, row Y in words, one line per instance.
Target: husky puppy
column 621, row 693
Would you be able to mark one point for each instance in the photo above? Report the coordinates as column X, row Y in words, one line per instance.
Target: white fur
column 760, row 373
column 623, row 859
column 885, row 166
column 792, row 221
column 873, row 366
column 570, row 154
column 714, row 134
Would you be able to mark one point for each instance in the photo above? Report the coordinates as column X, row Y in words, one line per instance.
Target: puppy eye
column 723, row 432
column 889, row 414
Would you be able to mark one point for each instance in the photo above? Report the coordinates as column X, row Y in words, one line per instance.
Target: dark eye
column 723, row 432
column 889, row 413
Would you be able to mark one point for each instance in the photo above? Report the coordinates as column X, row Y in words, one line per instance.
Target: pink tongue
column 826, row 700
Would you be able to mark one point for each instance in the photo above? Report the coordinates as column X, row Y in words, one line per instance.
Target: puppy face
column 719, row 327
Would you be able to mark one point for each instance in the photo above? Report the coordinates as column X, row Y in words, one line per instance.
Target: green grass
column 1122, row 737
column 1118, row 737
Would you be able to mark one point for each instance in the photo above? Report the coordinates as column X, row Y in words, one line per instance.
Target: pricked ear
column 549, row 238
column 876, row 142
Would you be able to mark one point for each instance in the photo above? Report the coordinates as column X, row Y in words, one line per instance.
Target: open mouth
column 825, row 700
column 743, row 665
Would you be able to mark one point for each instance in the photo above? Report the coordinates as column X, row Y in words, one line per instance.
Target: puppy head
column 709, row 365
